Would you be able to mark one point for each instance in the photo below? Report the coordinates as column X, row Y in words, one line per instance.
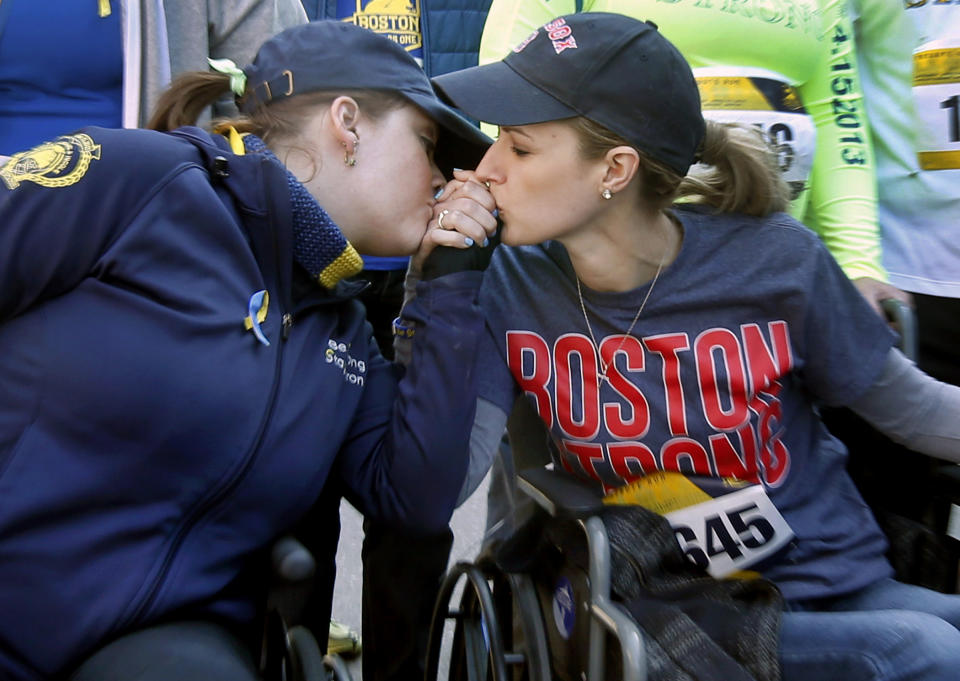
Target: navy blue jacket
column 451, row 30
column 149, row 444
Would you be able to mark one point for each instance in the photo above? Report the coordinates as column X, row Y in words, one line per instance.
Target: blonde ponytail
column 737, row 173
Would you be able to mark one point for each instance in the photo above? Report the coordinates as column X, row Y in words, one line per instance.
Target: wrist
column 403, row 329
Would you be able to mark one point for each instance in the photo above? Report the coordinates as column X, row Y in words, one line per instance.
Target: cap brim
column 495, row 93
column 461, row 144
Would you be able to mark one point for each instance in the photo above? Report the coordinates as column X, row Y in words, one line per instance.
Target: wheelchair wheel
column 337, row 668
column 528, row 637
column 490, row 607
column 305, row 662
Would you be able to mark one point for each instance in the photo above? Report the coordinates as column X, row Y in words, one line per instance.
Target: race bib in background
column 765, row 100
column 936, row 94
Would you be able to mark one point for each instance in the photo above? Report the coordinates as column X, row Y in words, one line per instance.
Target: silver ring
column 487, row 184
column 440, row 217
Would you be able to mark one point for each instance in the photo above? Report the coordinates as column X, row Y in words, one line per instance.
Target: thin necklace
column 605, row 367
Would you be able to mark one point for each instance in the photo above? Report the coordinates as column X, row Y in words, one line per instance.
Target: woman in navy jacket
column 182, row 370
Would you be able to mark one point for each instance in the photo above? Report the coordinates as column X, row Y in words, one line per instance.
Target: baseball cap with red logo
column 614, row 70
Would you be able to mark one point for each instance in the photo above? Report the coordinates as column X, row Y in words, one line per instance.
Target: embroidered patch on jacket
column 58, row 163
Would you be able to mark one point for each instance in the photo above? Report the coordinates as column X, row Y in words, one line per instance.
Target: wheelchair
column 289, row 649
column 915, row 498
column 508, row 625
column 499, row 630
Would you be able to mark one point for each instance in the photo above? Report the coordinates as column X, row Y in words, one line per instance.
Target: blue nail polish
column 496, row 213
column 486, row 241
column 439, row 193
column 468, row 241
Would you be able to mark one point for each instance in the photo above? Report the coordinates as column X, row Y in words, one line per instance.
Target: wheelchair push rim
column 479, row 649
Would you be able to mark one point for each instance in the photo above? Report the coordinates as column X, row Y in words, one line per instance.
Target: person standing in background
column 443, row 35
column 795, row 79
column 105, row 62
column 402, row 571
column 907, row 52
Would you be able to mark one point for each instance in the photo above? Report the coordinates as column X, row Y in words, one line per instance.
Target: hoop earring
column 607, row 194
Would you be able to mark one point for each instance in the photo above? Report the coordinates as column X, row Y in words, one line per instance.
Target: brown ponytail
column 191, row 93
column 186, row 98
column 736, row 175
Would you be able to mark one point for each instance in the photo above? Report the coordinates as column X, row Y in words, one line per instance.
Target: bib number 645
column 730, row 533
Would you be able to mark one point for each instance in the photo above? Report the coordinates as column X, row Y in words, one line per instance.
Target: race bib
column 936, row 94
column 766, row 101
column 722, row 525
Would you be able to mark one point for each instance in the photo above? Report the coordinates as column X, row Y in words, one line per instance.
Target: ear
column 622, row 165
column 344, row 117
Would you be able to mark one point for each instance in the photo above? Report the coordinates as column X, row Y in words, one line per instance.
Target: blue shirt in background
column 61, row 68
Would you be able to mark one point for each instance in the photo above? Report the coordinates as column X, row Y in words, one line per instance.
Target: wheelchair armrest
column 560, row 494
column 904, row 320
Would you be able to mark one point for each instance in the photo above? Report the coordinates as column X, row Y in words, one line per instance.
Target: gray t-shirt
column 750, row 327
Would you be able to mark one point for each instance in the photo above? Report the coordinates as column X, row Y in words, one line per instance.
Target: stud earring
column 607, row 194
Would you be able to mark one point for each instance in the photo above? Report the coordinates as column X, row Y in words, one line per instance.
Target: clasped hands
column 462, row 232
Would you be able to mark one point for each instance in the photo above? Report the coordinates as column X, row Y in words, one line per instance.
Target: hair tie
column 238, row 79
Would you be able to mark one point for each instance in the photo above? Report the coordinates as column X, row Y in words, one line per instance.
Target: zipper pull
column 287, row 322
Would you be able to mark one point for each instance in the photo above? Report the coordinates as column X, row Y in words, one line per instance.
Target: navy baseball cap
column 612, row 69
column 335, row 55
